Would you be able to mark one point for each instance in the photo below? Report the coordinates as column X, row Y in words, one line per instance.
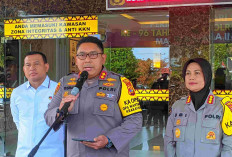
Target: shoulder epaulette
column 70, row 73
column 114, row 73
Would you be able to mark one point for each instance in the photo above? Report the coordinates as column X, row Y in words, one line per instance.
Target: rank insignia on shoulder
column 188, row 100
column 210, row 99
column 101, row 94
column 103, row 75
column 57, row 88
column 103, row 107
column 227, row 120
column 211, row 135
column 177, row 132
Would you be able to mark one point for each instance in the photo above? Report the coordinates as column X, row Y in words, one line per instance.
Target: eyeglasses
column 92, row 55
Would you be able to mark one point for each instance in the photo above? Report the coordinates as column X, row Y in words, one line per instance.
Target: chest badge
column 177, row 132
column 104, row 107
column 111, row 79
column 108, row 84
column 71, row 83
column 65, row 94
column 211, row 135
column 101, row 94
column 110, row 95
column 178, row 122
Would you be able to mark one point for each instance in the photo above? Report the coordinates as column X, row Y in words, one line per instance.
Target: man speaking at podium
column 105, row 111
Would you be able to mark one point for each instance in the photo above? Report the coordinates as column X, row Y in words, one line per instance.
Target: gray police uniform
column 97, row 111
column 191, row 133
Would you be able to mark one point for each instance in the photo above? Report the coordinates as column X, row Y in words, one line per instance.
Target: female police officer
column 194, row 128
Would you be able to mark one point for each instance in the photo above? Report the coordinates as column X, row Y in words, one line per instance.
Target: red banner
column 136, row 4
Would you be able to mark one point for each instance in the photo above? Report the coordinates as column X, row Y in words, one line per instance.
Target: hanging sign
column 51, row 27
column 136, row 4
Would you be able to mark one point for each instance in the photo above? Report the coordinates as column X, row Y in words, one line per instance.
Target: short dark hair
column 91, row 39
column 39, row 53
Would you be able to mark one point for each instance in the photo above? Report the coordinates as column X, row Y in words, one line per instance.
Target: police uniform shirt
column 107, row 107
column 192, row 133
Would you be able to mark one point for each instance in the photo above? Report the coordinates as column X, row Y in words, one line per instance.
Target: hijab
column 198, row 98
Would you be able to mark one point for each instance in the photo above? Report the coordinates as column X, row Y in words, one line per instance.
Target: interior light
column 223, row 19
column 152, row 22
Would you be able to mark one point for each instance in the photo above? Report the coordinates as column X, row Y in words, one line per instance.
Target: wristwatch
column 109, row 144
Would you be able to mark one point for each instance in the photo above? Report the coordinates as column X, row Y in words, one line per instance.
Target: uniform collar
column 209, row 101
column 46, row 83
column 101, row 76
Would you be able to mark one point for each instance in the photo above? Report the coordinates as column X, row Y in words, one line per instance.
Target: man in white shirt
column 29, row 101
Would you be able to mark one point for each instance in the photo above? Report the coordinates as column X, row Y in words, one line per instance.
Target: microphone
column 75, row 91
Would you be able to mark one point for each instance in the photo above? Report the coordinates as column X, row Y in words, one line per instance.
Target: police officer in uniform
column 199, row 124
column 106, row 109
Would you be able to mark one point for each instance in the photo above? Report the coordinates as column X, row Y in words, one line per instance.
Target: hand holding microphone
column 67, row 103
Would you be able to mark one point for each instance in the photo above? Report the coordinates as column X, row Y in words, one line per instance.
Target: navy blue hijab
column 198, row 98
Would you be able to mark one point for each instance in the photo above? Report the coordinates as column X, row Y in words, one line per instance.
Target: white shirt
column 27, row 107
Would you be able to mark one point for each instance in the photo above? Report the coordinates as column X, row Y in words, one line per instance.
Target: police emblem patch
column 229, row 104
column 129, row 86
column 103, row 107
column 211, row 135
column 177, row 132
column 131, row 91
column 50, row 97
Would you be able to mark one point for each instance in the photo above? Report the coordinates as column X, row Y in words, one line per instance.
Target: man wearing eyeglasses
column 106, row 110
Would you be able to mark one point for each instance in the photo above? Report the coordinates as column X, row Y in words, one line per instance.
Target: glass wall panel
column 222, row 54
column 137, row 46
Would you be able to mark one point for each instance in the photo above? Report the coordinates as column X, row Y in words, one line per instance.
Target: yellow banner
column 152, row 94
column 7, row 94
column 51, row 27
